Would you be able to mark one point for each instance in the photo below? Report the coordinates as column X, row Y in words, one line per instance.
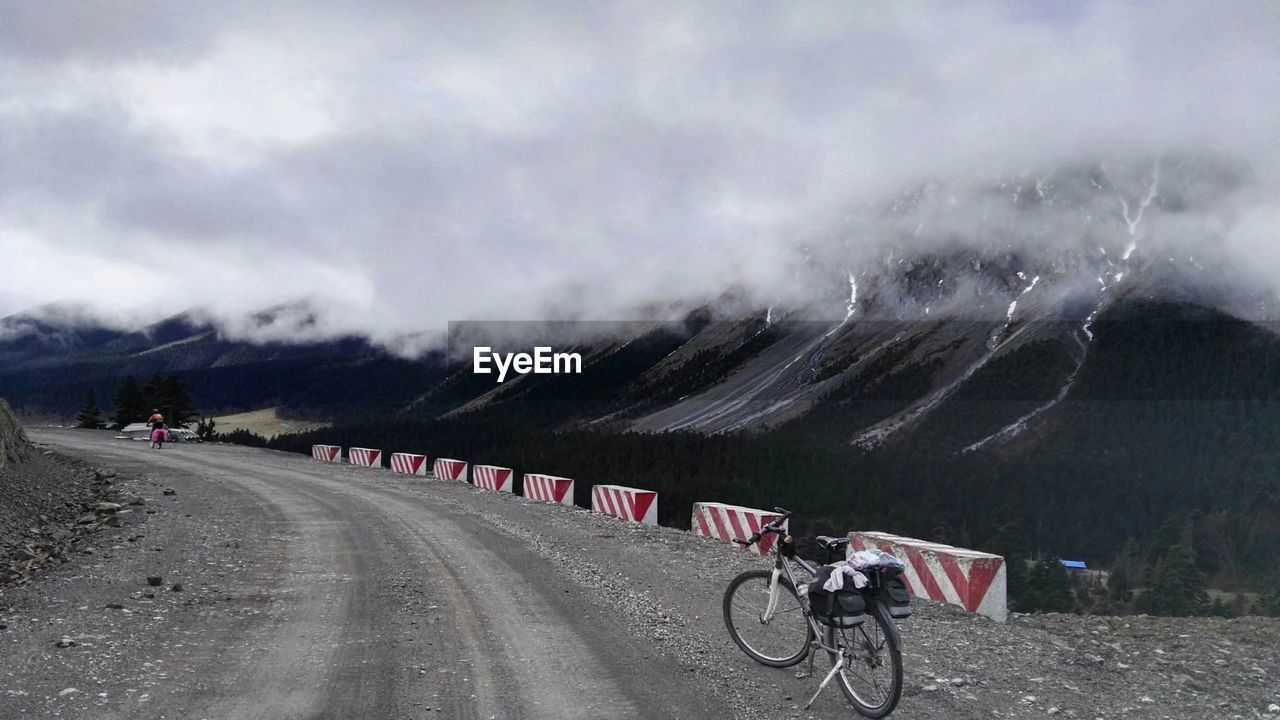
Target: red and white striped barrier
column 627, row 503
column 734, row 522
column 446, row 469
column 409, row 463
column 548, row 488
column 327, row 453
column 492, row 477
column 973, row 580
column 365, row 457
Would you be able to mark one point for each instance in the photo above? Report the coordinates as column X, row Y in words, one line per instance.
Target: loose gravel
column 663, row 588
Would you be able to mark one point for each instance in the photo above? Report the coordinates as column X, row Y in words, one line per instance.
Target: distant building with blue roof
column 1074, row 564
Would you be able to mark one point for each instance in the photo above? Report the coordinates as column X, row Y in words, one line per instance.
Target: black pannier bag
column 843, row 608
column 893, row 593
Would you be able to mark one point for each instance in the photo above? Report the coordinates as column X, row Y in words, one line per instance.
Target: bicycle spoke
column 795, row 609
column 782, row 640
column 870, row 675
column 865, row 658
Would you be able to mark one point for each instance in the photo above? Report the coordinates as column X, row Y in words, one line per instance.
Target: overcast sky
column 402, row 164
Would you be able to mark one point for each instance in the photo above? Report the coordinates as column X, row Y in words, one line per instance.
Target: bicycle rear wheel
column 872, row 674
column 781, row 641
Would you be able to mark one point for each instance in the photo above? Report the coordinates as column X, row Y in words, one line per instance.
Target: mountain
column 944, row 317
column 985, row 299
column 1053, row 363
column 50, row 358
column 1058, row 439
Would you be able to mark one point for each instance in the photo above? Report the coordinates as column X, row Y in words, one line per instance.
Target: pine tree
column 1177, row 586
column 89, row 415
column 1126, row 572
column 130, row 404
column 181, row 409
column 166, row 393
column 205, row 428
column 1048, row 588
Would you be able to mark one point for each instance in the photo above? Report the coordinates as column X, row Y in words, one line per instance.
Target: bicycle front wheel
column 871, row 678
column 779, row 640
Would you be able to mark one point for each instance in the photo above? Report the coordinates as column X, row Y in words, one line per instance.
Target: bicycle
column 760, row 604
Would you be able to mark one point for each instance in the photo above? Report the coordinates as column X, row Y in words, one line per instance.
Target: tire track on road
column 508, row 638
column 521, row 645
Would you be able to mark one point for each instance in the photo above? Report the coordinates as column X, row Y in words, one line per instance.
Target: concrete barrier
column 365, row 457
column 446, row 469
column 409, row 463
column 548, row 488
column 733, row 522
column 975, row 581
column 327, row 453
column 627, row 503
column 492, row 477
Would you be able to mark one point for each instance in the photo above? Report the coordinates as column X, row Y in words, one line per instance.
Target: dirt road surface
column 325, row 591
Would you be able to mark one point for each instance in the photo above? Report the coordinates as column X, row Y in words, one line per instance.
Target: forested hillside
column 47, row 367
column 1168, row 432
column 1137, row 432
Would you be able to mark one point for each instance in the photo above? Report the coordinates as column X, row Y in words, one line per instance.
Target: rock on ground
column 373, row 595
column 14, row 446
column 41, row 497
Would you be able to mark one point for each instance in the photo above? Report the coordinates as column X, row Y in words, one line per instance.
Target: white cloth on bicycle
column 839, row 571
column 873, row 558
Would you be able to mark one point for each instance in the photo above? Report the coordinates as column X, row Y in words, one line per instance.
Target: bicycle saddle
column 831, row 543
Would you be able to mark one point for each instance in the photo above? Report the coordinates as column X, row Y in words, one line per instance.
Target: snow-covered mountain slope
column 983, row 299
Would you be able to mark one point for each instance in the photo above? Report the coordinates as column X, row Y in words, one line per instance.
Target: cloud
column 407, row 164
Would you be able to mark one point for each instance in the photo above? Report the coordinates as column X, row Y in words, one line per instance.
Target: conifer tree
column 205, row 429
column 89, row 416
column 166, row 393
column 1049, row 588
column 1177, row 586
column 1126, row 572
column 130, row 404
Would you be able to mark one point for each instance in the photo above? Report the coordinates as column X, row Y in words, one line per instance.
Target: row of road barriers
column 449, row 469
column 727, row 523
column 632, row 504
column 494, row 478
column 327, row 453
column 408, row 463
column 548, row 488
column 969, row 579
column 365, row 457
column 975, row 581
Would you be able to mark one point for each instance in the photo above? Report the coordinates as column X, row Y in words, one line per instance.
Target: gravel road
column 327, row 591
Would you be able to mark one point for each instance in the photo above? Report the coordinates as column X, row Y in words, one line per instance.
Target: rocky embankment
column 48, row 503
column 14, row 446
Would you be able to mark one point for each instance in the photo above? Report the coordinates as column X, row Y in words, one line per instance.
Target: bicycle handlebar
column 773, row 527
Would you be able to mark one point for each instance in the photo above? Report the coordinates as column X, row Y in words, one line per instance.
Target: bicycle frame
column 783, row 564
column 828, row 638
